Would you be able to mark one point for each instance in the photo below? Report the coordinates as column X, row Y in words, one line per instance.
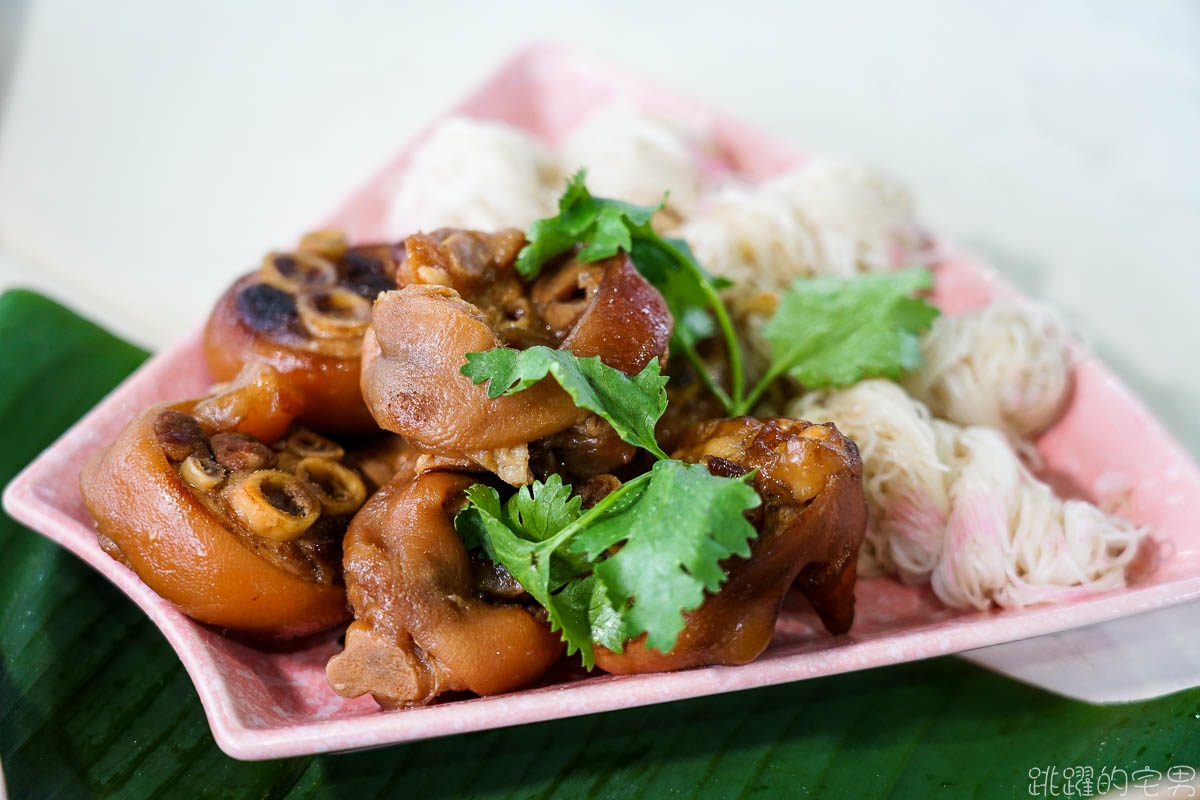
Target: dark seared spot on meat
column 238, row 451
column 494, row 582
column 287, row 266
column 356, row 262
column 266, row 308
column 370, row 287
column 365, row 275
column 725, row 468
column 179, row 434
column 596, row 488
column 321, row 546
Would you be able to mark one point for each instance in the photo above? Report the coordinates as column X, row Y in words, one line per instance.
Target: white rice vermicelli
column 906, row 475
column 634, row 157
column 753, row 238
column 985, row 480
column 1061, row 549
column 1006, row 365
column 475, row 174
column 822, row 218
column 864, row 220
column 955, row 506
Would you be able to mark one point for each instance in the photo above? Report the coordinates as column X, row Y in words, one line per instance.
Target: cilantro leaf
column 486, row 524
column 675, row 525
column 609, row 627
column 539, row 511
column 604, row 227
column 601, row 227
column 831, row 331
column 543, row 509
column 681, row 281
column 631, row 404
column 551, row 237
column 681, row 526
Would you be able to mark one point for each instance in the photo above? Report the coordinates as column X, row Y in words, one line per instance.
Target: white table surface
column 148, row 154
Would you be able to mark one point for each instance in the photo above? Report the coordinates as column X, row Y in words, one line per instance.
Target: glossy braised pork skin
column 429, row 618
column 235, row 528
column 304, row 313
column 810, row 526
column 468, row 298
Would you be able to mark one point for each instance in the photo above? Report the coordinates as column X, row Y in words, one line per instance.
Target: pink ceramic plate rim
column 963, row 284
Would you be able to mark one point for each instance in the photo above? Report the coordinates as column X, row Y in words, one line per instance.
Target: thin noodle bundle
column 985, row 484
column 955, row 506
column 822, row 218
column 1062, row 549
column 1005, row 365
column 863, row 219
column 906, row 477
column 475, row 174
column 634, row 157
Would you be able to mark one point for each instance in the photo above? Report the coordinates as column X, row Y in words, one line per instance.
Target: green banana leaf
column 93, row 703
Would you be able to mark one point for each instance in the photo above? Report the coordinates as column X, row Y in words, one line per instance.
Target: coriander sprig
column 601, row 227
column 686, row 335
column 630, row 403
column 830, row 331
column 826, row 331
column 673, row 524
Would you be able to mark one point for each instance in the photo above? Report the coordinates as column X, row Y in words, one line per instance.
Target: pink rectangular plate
column 272, row 704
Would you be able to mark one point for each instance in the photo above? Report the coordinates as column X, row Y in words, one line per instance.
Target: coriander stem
column 736, row 379
column 698, row 365
column 556, row 541
column 732, row 347
column 748, row 402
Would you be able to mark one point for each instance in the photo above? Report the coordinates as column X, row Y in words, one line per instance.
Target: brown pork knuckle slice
column 167, row 509
column 412, row 355
column 420, row 335
column 810, row 526
column 304, row 313
column 424, row 623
